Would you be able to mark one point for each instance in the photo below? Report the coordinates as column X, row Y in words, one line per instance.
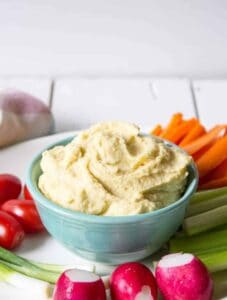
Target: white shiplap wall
column 211, row 98
column 38, row 87
column 145, row 101
column 177, row 37
column 78, row 102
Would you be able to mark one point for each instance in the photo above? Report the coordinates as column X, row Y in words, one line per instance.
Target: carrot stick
column 213, row 157
column 197, row 131
column 219, row 172
column 206, row 139
column 157, row 130
column 174, row 122
column 202, row 151
column 181, row 131
column 215, row 183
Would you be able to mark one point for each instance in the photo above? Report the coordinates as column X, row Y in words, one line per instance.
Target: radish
column 183, row 276
column 77, row 284
column 133, row 281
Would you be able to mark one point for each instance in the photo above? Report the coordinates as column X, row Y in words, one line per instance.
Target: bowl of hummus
column 112, row 194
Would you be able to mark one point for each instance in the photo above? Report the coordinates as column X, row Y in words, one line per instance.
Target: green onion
column 205, row 221
column 97, row 268
column 35, row 286
column 35, row 272
column 206, row 200
column 201, row 243
column 9, row 292
column 61, row 268
column 23, row 266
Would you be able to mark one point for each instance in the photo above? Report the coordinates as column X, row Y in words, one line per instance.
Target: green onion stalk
column 25, row 267
column 34, row 286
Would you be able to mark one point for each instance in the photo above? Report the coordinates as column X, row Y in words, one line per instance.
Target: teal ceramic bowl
column 109, row 239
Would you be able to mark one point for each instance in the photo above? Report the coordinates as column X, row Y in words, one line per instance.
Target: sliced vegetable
column 26, row 213
column 25, row 267
column 208, row 149
column 10, row 292
column 33, row 286
column 184, row 277
column 205, row 200
column 201, row 152
column 206, row 139
column 97, row 268
column 205, row 221
column 26, row 193
column 61, row 268
column 173, row 124
column 197, row 131
column 133, row 281
column 213, row 157
column 183, row 129
column 10, row 187
column 215, row 183
column 220, row 284
column 215, row 261
column 219, row 172
column 210, row 241
column 77, row 285
column 11, row 232
column 157, row 130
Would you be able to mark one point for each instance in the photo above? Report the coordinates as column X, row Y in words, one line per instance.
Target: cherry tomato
column 26, row 214
column 11, row 232
column 27, row 195
column 10, row 187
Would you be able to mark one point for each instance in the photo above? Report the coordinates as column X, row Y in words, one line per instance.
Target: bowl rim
column 41, row 199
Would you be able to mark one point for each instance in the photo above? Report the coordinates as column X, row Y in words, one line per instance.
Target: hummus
column 111, row 170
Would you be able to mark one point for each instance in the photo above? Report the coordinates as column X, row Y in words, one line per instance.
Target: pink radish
column 183, row 276
column 133, row 281
column 77, row 284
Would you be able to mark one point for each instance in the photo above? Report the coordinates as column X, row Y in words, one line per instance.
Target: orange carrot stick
column 206, row 139
column 219, row 172
column 213, row 157
column 202, row 151
column 215, row 183
column 181, row 131
column 157, row 130
column 197, row 131
column 174, row 122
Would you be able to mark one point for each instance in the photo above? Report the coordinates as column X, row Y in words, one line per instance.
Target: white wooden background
column 101, row 59
column 78, row 102
column 158, row 37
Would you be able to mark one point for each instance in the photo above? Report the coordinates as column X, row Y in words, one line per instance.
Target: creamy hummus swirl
column 111, row 170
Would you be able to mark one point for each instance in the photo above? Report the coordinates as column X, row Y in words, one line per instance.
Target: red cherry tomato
column 11, row 232
column 26, row 214
column 27, row 195
column 10, row 187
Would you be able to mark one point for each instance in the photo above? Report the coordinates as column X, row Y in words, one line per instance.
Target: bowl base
column 113, row 258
